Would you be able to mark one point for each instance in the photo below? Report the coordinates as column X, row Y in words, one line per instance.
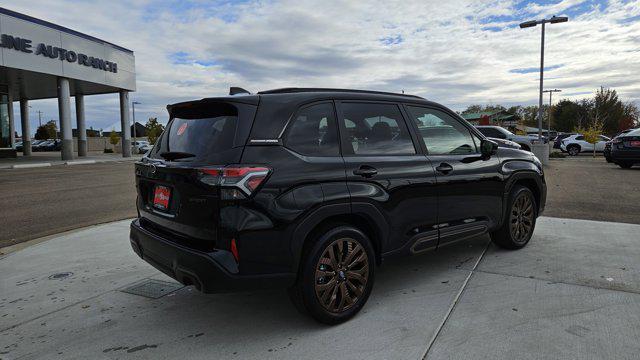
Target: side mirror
column 488, row 148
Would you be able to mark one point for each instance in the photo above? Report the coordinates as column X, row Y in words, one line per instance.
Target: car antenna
column 234, row 90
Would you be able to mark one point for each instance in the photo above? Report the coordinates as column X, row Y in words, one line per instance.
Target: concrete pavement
column 574, row 292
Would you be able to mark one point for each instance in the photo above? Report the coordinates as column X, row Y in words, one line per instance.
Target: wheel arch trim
column 368, row 212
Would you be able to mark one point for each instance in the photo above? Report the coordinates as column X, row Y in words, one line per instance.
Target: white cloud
column 447, row 52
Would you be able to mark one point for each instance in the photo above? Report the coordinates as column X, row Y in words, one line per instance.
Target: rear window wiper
column 175, row 155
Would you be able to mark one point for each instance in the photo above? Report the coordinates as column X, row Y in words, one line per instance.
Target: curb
column 69, row 163
column 80, row 162
column 27, row 166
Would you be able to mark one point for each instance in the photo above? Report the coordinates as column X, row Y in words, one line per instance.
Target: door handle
column 365, row 171
column 444, row 168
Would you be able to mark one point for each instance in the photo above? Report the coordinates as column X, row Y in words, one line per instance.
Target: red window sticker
column 182, row 128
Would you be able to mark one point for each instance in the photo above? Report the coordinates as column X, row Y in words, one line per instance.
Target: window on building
column 5, row 128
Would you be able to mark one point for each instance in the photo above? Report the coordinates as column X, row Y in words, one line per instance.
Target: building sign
column 53, row 52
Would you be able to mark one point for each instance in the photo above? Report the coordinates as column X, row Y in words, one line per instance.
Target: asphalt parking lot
column 584, row 187
column 571, row 294
column 43, row 201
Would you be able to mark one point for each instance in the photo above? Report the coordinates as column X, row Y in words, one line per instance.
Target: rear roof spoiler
column 234, row 90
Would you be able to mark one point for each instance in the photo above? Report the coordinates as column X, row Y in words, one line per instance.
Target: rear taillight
column 237, row 182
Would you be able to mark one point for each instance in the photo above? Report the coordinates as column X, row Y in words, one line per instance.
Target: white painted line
column 80, row 162
column 33, row 165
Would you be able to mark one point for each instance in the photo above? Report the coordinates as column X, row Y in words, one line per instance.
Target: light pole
column 40, row 118
column 553, row 20
column 549, row 120
column 133, row 105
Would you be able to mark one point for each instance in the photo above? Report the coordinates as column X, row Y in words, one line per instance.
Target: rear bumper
column 208, row 272
column 625, row 154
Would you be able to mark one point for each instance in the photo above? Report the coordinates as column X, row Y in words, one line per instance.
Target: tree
column 154, row 129
column 592, row 133
column 630, row 117
column 566, row 115
column 47, row 131
column 114, row 139
column 483, row 108
column 607, row 110
column 529, row 115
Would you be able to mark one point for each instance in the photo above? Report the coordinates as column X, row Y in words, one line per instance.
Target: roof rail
column 302, row 90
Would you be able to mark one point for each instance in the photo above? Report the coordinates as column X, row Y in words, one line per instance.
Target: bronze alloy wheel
column 341, row 275
column 521, row 220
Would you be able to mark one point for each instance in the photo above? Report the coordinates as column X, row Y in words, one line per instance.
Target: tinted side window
column 376, row 129
column 490, row 132
column 313, row 132
column 580, row 137
column 442, row 134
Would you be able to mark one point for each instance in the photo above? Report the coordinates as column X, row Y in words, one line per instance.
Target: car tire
column 520, row 220
column 573, row 150
column 336, row 275
column 625, row 165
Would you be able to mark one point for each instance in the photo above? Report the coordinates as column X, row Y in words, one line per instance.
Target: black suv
column 311, row 189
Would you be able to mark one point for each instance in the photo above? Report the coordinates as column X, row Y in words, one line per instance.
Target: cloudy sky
column 456, row 52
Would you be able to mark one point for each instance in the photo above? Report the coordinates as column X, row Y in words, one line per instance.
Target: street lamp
column 553, row 20
column 133, row 105
column 550, row 93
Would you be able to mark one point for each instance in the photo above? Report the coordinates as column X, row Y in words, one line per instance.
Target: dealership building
column 41, row 60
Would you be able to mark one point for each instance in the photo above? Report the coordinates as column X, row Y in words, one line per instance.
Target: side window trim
column 287, row 127
column 346, row 150
column 473, row 132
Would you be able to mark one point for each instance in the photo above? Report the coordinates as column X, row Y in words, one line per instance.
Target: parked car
column 558, row 140
column 42, row 145
column 534, row 138
column 607, row 145
column 35, row 143
column 505, row 143
column 310, row 189
column 50, row 145
column 625, row 149
column 136, row 145
column 18, row 145
column 575, row 144
column 143, row 149
column 525, row 141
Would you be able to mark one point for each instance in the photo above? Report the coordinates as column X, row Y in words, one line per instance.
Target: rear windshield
column 202, row 131
column 635, row 132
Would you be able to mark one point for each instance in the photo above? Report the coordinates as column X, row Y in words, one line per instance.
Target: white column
column 125, row 123
column 26, row 128
column 82, row 127
column 64, row 110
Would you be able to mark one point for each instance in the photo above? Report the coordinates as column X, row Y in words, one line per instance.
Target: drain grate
column 153, row 289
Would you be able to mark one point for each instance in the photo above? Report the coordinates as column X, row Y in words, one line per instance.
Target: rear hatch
column 177, row 196
column 629, row 141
